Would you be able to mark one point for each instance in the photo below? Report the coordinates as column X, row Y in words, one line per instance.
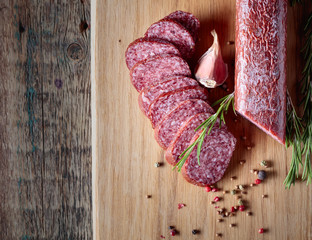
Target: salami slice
column 141, row 49
column 174, row 33
column 260, row 65
column 183, row 137
column 155, row 69
column 215, row 155
column 187, row 20
column 149, row 94
column 168, row 127
column 167, row 101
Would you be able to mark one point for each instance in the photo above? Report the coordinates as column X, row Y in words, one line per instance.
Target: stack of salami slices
column 173, row 101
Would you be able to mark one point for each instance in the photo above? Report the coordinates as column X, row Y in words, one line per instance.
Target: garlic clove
column 211, row 71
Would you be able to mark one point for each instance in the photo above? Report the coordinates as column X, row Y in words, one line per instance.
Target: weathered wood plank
column 45, row 124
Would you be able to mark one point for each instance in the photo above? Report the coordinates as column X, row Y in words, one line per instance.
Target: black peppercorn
column 194, row 231
column 171, row 227
column 261, row 175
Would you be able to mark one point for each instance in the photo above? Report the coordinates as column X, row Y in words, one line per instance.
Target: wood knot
column 75, row 51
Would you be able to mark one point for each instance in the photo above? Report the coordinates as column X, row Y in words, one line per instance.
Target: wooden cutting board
column 124, row 150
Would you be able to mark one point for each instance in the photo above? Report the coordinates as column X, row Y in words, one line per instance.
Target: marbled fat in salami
column 149, row 94
column 141, row 49
column 216, row 152
column 155, row 69
column 187, row 20
column 260, row 65
column 167, row 101
column 169, row 126
column 174, row 33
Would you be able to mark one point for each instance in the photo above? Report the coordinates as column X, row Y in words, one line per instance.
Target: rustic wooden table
column 45, row 123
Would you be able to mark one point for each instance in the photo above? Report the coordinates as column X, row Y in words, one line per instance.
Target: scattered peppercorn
column 241, row 187
column 232, row 225
column 173, row 232
column 264, row 163
column 208, row 189
column 233, row 192
column 218, row 235
column 244, row 192
column 195, row 231
column 241, row 208
column 243, row 138
column 181, row 205
column 257, row 181
column 236, row 207
column 237, row 187
column 171, row 227
column 211, row 202
column 233, row 178
column 248, row 147
column 220, row 220
column 148, row 196
column 214, row 190
column 260, row 230
column 224, row 192
column 230, row 42
column 226, row 214
column 233, row 209
column 157, row 164
column 264, row 196
column 240, row 202
column 261, row 175
column 242, row 162
column 251, row 184
column 256, row 172
column 251, row 170
column 238, row 197
column 161, row 236
column 248, row 213
column 216, row 199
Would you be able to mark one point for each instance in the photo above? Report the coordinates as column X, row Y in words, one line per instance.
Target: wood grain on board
column 125, row 150
column 45, row 123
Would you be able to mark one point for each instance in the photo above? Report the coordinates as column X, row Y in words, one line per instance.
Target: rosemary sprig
column 299, row 130
column 206, row 128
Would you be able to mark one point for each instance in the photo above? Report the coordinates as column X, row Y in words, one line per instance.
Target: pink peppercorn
column 258, row 181
column 216, row 199
column 173, row 232
column 215, row 190
column 232, row 209
column 208, row 189
column 241, row 208
column 260, row 230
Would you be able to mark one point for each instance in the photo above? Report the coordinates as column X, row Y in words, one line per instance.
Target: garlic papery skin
column 211, row 71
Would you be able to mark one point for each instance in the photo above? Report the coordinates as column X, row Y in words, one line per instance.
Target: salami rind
column 149, row 94
column 187, row 20
column 155, row 69
column 167, row 101
column 183, row 137
column 260, row 65
column 141, row 49
column 169, row 126
column 216, row 152
column 174, row 33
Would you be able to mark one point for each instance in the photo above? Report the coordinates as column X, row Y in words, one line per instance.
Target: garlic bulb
column 211, row 71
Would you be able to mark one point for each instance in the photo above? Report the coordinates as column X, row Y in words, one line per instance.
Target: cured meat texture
column 166, row 102
column 169, row 126
column 183, row 137
column 187, row 20
column 215, row 155
column 260, row 66
column 141, row 49
column 174, row 33
column 155, row 69
column 149, row 94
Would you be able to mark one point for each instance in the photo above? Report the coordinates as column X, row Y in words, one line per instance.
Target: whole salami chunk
column 149, row 94
column 260, row 65
column 187, row 20
column 155, row 69
column 167, row 101
column 216, row 152
column 183, row 137
column 168, row 127
column 174, row 33
column 141, row 49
